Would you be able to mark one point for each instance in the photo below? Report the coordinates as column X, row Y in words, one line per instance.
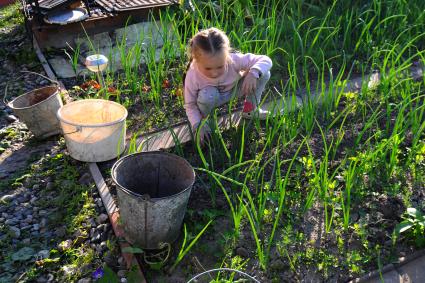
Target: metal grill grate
column 51, row 4
column 125, row 5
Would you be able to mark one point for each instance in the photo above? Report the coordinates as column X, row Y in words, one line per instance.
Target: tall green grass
column 340, row 148
column 353, row 143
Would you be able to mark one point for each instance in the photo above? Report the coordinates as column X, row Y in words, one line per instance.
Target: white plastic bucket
column 94, row 129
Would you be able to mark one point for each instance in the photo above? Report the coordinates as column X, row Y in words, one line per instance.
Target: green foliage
column 412, row 227
column 328, row 160
column 76, row 207
column 11, row 16
column 184, row 250
column 132, row 250
column 109, row 276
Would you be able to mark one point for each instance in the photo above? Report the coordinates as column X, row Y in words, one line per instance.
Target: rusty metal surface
column 125, row 5
column 50, row 4
column 153, row 189
column 56, row 35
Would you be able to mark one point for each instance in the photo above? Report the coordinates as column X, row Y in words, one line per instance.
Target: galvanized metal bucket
column 37, row 109
column 153, row 189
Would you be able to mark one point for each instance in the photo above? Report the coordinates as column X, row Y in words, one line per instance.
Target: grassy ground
column 46, row 184
column 11, row 18
column 322, row 193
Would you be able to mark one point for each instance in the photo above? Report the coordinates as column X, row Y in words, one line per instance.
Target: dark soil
column 377, row 216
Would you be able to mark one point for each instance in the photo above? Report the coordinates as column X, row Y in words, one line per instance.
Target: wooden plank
column 125, row 5
column 113, row 213
column 282, row 104
column 167, row 138
column 164, row 138
column 43, row 60
column 103, row 189
column 414, row 271
column 49, row 70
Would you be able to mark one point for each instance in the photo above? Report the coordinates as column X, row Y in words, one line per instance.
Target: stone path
column 31, row 225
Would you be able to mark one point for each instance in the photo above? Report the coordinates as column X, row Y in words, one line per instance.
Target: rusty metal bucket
column 37, row 109
column 153, row 189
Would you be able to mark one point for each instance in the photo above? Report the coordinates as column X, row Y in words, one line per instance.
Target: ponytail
column 187, row 69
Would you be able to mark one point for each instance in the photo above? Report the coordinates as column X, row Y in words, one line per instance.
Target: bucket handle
column 78, row 129
column 223, row 269
column 159, row 256
column 7, row 84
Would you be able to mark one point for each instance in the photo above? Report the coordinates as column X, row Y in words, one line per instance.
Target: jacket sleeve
column 190, row 100
column 250, row 61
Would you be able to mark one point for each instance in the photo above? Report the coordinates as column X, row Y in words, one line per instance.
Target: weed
column 184, row 250
column 413, row 227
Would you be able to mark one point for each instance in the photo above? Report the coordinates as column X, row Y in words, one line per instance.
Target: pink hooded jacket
column 195, row 80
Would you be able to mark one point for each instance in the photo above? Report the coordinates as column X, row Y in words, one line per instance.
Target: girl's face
column 211, row 66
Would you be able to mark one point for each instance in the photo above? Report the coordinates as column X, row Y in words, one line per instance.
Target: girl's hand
column 249, row 84
column 204, row 132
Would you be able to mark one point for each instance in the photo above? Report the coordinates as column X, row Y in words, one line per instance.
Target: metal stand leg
column 86, row 2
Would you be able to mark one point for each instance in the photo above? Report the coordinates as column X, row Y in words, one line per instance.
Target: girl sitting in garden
column 215, row 75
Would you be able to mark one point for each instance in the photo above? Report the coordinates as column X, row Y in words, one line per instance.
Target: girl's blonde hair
column 211, row 41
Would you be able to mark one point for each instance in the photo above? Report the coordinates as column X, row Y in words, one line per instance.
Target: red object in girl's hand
column 247, row 107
